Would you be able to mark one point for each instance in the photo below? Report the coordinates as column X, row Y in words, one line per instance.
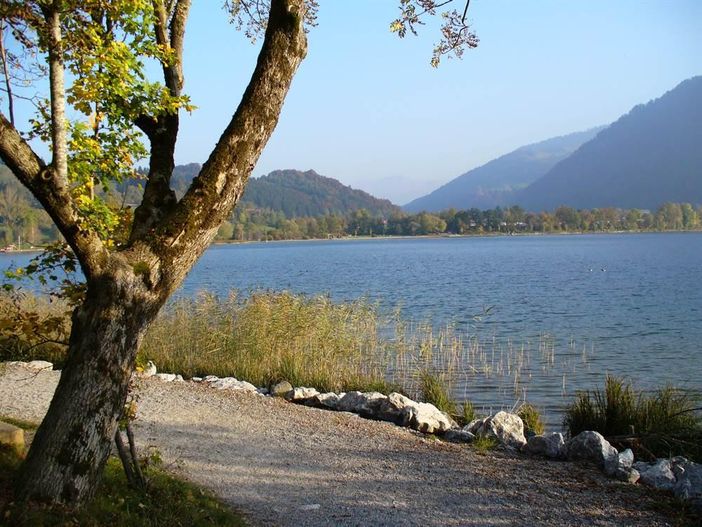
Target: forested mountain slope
column 649, row 156
column 494, row 184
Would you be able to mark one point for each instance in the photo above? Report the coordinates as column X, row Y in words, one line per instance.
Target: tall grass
column 664, row 422
column 267, row 337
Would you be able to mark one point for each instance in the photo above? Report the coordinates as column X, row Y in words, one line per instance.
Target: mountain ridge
column 648, row 156
column 494, row 183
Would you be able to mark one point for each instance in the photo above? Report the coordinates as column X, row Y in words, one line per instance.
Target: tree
column 103, row 45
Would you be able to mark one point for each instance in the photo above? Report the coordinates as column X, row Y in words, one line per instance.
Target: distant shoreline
column 445, row 236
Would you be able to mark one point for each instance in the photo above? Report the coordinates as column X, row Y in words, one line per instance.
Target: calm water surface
column 568, row 309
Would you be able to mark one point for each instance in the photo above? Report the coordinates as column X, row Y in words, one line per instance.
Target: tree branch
column 57, row 90
column 43, row 183
column 190, row 227
column 163, row 130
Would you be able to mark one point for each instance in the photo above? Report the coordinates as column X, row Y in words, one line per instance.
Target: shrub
column 532, row 420
column 434, row 390
column 665, row 422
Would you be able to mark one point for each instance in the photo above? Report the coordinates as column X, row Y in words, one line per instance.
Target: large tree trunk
column 69, row 451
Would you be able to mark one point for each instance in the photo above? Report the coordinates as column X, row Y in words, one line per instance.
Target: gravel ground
column 288, row 465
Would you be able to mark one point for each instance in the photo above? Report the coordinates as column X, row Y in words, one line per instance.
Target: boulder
column 426, row 418
column 210, row 378
column 688, row 480
column 165, row 377
column 329, row 400
column 507, row 428
column 40, row 365
column 230, row 383
column 300, row 394
column 390, row 408
column 12, row 436
column 658, row 474
column 197, row 379
column 550, row 445
column 179, row 378
column 459, row 436
column 149, row 370
column 364, row 404
column 620, row 466
column 279, row 389
column 591, row 446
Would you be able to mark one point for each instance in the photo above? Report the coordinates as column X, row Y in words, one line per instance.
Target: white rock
column 507, row 428
column 328, row 400
column 688, row 485
column 658, row 474
column 230, row 383
column 550, row 445
column 390, row 408
column 300, row 394
column 40, row 365
column 149, row 371
column 210, row 378
column 591, row 445
column 179, row 378
column 197, row 379
column 364, row 404
column 426, row 418
column 165, row 377
column 620, row 466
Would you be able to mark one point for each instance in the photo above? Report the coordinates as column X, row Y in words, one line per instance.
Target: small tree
column 133, row 262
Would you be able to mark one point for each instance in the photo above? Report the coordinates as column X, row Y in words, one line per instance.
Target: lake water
column 555, row 313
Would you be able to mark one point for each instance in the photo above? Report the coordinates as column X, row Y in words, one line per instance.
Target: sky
column 367, row 109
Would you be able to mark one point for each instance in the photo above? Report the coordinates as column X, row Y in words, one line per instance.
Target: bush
column 532, row 420
column 665, row 423
column 434, row 390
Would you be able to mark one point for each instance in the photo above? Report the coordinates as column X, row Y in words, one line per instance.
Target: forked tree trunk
column 126, row 290
column 69, row 451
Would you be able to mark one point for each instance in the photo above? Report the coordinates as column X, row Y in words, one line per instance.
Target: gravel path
column 283, row 464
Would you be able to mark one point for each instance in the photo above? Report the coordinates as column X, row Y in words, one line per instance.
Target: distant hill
column 649, row 156
column 495, row 182
column 296, row 193
column 299, row 193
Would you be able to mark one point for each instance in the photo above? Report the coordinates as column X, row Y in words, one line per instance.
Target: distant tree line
column 253, row 224
column 22, row 218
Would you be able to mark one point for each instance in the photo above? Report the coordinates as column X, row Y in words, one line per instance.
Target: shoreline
column 446, row 236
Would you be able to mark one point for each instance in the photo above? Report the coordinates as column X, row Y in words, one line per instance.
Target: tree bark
column 73, row 442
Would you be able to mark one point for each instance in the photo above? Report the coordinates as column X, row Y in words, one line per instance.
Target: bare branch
column 55, row 197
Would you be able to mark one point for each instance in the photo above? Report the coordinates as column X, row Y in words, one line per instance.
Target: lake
column 553, row 314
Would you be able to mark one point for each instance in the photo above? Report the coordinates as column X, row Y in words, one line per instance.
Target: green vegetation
column 532, row 419
column 167, row 501
column 483, row 444
column 293, row 205
column 434, row 389
column 665, row 422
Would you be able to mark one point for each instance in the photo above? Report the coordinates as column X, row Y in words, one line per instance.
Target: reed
column 664, row 422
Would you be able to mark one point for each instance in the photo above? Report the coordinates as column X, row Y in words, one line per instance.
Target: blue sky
column 366, row 108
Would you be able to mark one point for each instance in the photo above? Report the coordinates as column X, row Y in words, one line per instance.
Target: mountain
column 296, row 193
column 649, row 156
column 495, row 182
